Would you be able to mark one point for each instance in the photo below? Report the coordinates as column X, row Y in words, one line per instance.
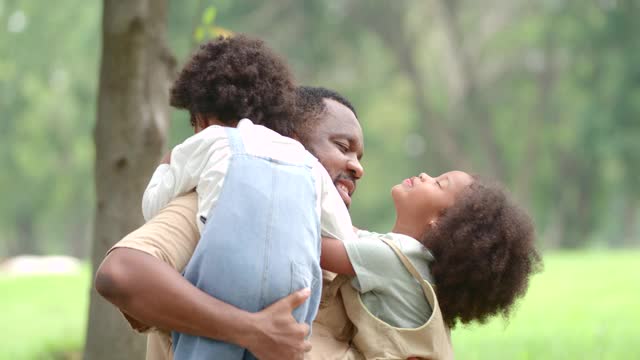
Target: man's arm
column 141, row 276
column 154, row 293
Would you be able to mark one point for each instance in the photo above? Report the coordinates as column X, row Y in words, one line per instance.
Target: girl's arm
column 334, row 257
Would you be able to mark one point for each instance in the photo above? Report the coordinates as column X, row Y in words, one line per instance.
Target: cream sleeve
column 189, row 160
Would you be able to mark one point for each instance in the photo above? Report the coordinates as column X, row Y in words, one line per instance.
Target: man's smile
column 345, row 188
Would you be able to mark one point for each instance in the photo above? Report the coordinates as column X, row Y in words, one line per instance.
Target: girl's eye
column 439, row 185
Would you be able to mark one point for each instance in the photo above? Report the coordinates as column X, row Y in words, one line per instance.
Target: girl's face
column 423, row 198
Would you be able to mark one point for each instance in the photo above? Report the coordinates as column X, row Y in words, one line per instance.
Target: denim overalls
column 260, row 243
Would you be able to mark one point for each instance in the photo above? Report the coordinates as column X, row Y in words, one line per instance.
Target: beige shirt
column 172, row 235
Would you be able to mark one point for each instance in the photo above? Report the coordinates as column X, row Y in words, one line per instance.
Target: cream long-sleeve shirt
column 202, row 160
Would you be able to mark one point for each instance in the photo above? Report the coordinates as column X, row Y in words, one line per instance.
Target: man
column 150, row 290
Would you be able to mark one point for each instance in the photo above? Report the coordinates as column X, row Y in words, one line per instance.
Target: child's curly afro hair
column 484, row 254
column 237, row 77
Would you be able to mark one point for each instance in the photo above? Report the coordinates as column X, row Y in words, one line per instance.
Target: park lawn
column 584, row 305
column 44, row 316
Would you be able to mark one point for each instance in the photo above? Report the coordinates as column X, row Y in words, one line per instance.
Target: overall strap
column 310, row 160
column 332, row 289
column 235, row 140
column 409, row 266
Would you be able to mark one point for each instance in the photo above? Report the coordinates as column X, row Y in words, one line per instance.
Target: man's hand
column 166, row 159
column 278, row 335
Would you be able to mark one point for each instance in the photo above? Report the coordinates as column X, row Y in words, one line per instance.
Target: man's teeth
column 343, row 188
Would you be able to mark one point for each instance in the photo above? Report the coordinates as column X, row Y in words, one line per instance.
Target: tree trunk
column 132, row 122
column 629, row 223
column 471, row 107
column 386, row 22
column 26, row 236
column 544, row 110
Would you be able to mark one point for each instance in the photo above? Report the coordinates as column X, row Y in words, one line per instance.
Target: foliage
column 519, row 91
column 544, row 96
column 47, row 95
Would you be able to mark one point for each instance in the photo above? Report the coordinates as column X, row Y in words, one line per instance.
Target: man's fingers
column 297, row 298
column 305, row 328
column 307, row 346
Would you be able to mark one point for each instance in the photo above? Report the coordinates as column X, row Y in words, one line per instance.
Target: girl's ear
column 433, row 224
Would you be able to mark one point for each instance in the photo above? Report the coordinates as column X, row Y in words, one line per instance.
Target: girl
column 454, row 233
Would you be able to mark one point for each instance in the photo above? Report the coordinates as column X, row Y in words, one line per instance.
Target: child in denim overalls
column 264, row 202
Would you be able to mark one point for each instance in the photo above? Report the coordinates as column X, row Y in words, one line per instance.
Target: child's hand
column 166, row 159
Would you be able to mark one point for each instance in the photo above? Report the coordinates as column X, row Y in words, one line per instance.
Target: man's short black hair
column 310, row 106
column 237, row 77
column 310, row 96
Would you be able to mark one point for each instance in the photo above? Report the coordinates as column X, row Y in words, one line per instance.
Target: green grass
column 584, row 305
column 41, row 316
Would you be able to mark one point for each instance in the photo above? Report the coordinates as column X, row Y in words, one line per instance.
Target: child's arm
column 335, row 258
column 180, row 175
column 158, row 192
column 167, row 182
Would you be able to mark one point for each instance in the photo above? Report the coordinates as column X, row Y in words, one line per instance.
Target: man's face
column 337, row 142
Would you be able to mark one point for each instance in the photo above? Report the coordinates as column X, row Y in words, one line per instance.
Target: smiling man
column 331, row 132
column 141, row 275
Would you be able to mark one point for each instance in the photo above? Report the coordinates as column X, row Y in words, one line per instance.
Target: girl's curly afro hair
column 484, row 254
column 237, row 77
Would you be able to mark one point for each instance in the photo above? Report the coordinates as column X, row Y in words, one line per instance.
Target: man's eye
column 344, row 148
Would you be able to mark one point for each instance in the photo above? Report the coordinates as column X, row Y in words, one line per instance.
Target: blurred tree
column 46, row 97
column 515, row 90
column 542, row 95
column 612, row 129
column 132, row 120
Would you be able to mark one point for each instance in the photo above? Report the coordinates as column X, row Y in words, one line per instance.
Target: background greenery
column 542, row 95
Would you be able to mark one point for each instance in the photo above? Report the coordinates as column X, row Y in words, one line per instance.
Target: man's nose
column 355, row 168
